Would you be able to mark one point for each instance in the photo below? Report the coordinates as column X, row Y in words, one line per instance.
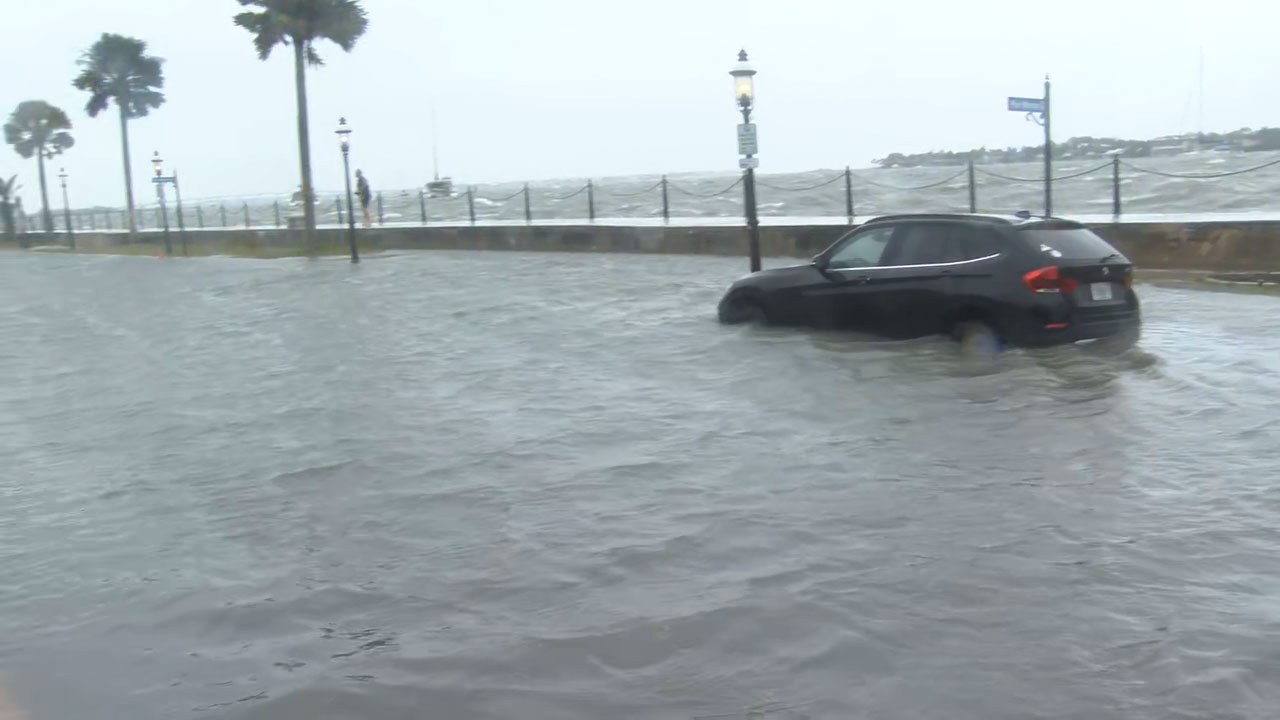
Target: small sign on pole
column 749, row 162
column 1022, row 104
column 747, row 139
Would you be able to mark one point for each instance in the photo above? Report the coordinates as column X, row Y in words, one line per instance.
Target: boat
column 439, row 187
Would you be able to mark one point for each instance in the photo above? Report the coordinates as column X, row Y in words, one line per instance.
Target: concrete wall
column 1244, row 245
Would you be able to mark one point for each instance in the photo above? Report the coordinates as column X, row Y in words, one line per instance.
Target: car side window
column 926, row 244
column 982, row 243
column 864, row 249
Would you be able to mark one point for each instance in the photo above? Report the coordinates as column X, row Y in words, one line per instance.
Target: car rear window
column 1072, row 244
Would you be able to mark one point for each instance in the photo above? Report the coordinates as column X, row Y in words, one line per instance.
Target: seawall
column 1214, row 245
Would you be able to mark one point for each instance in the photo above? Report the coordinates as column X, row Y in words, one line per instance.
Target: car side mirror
column 821, row 262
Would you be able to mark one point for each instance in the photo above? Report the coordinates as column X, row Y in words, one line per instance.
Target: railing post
column 200, row 217
column 666, row 206
column 848, row 193
column 222, row 210
column 277, row 209
column 106, row 217
column 591, row 201
column 337, row 202
column 380, row 218
column 973, row 189
column 93, row 220
column 246, row 215
column 422, row 205
column 471, row 204
column 528, row 213
column 1115, row 186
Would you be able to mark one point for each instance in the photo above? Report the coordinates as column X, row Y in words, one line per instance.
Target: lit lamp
column 157, row 164
column 344, row 135
column 344, row 142
column 744, row 92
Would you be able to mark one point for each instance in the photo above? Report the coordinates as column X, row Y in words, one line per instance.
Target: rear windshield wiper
column 1112, row 256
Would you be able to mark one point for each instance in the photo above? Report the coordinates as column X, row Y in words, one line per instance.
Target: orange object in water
column 161, row 255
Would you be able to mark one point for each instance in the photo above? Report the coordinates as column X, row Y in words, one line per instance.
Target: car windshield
column 1069, row 244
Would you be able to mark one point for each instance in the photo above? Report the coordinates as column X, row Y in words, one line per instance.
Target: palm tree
column 118, row 68
column 40, row 129
column 8, row 191
column 301, row 23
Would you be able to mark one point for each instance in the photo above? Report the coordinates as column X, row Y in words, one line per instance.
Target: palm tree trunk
column 128, row 172
column 304, row 140
column 44, row 191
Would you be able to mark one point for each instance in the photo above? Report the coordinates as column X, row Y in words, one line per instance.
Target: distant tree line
column 1244, row 139
column 117, row 70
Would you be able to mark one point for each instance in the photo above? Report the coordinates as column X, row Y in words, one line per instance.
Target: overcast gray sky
column 530, row 89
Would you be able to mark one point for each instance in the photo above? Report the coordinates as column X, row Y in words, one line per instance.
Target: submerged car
column 1019, row 279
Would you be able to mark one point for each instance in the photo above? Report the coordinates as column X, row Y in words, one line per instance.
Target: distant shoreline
column 1083, row 147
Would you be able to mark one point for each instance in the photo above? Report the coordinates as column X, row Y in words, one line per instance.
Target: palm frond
column 60, row 142
column 117, row 68
column 9, row 188
column 34, row 126
column 285, row 22
column 342, row 22
column 313, row 57
column 265, row 29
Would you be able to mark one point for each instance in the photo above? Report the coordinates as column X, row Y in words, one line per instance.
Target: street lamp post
column 66, row 210
column 344, row 141
column 158, row 165
column 744, row 92
column 161, row 180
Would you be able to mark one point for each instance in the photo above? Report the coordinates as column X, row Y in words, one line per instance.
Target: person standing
column 362, row 192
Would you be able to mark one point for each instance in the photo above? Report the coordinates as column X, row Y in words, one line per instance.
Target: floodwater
column 499, row 485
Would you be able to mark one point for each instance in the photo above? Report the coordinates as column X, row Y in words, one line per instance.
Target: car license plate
column 1100, row 291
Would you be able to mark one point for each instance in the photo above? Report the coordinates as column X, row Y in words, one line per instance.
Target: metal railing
column 688, row 196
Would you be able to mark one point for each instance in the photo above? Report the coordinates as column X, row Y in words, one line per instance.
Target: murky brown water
column 470, row 485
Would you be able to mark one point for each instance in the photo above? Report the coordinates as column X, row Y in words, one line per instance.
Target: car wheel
column 746, row 310
column 976, row 338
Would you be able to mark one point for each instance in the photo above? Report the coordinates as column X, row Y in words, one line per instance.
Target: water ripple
column 482, row 485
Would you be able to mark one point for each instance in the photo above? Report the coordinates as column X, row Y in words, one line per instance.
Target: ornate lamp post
column 344, row 141
column 744, row 93
column 66, row 210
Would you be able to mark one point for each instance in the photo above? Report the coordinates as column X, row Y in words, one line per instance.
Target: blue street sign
column 1021, row 104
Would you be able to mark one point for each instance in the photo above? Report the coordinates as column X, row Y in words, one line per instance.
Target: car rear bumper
column 1128, row 326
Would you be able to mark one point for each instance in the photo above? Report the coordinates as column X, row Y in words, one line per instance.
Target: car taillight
column 1127, row 280
column 1048, row 279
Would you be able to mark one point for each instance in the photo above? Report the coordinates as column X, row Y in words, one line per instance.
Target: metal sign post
column 1033, row 107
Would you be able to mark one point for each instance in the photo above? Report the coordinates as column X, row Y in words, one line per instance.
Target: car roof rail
column 956, row 217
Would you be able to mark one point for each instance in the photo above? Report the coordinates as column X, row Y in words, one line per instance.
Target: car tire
column 976, row 338
column 745, row 311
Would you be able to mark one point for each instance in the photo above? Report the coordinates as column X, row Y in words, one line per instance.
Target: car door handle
column 861, row 279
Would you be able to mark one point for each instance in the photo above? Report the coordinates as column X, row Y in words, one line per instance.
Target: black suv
column 1028, row 281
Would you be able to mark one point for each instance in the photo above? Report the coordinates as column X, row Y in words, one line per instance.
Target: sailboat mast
column 1200, row 116
column 435, row 155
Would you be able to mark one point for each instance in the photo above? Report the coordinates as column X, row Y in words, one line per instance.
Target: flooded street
column 500, row 485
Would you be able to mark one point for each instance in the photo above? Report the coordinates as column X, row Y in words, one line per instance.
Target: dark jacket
column 362, row 191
